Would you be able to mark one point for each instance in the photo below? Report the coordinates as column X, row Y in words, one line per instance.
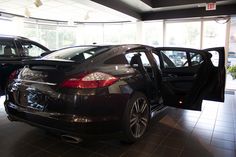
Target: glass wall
column 112, row 33
column 106, row 33
column 232, row 37
column 6, row 27
column 48, row 36
column 66, row 36
column 92, row 33
column 184, row 34
column 214, row 34
column 153, row 33
column 52, row 36
column 129, row 33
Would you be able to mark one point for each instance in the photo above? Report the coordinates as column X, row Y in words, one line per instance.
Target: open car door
column 189, row 76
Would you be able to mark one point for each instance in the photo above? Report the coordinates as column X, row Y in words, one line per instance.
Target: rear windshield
column 77, row 54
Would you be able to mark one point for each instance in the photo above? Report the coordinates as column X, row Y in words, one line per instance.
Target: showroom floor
column 173, row 133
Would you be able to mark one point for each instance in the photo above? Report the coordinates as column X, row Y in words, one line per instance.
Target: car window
column 214, row 58
column 118, row 59
column 143, row 56
column 157, row 59
column 7, row 48
column 173, row 58
column 31, row 49
column 77, row 54
column 195, row 59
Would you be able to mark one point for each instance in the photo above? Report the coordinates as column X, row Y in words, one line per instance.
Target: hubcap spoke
column 137, row 130
column 133, row 121
column 136, row 105
column 144, row 106
column 144, row 121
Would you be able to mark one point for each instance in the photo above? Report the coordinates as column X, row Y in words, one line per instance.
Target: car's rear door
column 218, row 86
column 188, row 77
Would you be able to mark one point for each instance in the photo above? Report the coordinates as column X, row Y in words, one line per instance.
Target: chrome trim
column 38, row 82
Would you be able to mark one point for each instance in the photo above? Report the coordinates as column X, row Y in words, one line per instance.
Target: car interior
column 7, row 51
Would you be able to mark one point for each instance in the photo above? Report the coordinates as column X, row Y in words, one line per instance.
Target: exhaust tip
column 71, row 139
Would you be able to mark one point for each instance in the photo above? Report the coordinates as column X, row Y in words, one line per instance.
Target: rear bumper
column 65, row 124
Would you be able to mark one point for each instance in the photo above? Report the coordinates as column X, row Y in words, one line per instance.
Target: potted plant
column 232, row 71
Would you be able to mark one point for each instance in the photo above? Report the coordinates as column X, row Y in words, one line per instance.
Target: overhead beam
column 165, row 3
column 188, row 13
column 148, row 2
column 119, row 6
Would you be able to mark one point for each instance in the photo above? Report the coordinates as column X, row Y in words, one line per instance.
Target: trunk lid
column 37, row 84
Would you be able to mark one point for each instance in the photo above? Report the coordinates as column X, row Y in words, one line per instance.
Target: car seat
column 8, row 51
column 136, row 63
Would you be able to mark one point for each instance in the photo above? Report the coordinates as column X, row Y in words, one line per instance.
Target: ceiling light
column 38, row 3
column 27, row 12
column 87, row 16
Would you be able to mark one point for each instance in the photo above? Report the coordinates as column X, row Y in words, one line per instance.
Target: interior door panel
column 188, row 77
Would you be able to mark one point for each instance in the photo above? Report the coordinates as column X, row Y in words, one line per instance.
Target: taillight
column 91, row 80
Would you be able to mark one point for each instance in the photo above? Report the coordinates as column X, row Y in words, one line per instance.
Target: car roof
column 13, row 37
column 127, row 46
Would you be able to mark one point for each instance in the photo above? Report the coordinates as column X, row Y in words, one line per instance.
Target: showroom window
column 214, row 34
column 66, row 36
column 48, row 36
column 183, row 34
column 232, row 39
column 31, row 31
column 153, row 33
column 93, row 33
column 112, row 33
column 129, row 32
column 6, row 27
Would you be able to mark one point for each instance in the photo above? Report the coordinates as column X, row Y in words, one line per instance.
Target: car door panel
column 186, row 87
column 218, row 76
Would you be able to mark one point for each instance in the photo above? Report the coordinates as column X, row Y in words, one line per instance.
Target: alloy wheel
column 139, row 117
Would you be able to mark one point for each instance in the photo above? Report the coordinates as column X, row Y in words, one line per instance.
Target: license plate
column 31, row 100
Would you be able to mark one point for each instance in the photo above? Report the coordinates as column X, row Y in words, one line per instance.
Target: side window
column 174, row 58
column 143, row 56
column 7, row 48
column 30, row 49
column 118, row 59
column 157, row 59
column 195, row 59
column 214, row 58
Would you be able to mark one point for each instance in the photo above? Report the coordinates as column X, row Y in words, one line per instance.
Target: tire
column 136, row 118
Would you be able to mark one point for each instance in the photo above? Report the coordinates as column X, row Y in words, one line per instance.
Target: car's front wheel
column 136, row 117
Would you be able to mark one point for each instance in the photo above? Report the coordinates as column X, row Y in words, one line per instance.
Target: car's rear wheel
column 136, row 118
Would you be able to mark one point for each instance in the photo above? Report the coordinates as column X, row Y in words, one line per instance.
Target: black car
column 15, row 48
column 90, row 90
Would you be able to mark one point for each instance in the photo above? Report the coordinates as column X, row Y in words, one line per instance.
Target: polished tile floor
column 174, row 133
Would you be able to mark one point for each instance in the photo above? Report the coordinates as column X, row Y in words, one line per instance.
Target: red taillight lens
column 92, row 80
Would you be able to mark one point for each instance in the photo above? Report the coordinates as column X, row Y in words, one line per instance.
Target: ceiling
column 115, row 10
column 63, row 10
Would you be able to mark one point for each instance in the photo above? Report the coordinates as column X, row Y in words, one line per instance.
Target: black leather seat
column 136, row 63
column 8, row 51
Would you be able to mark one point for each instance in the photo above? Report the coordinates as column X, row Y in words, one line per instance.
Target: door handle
column 172, row 75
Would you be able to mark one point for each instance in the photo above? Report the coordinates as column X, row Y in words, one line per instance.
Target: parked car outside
column 15, row 48
column 231, row 59
column 95, row 90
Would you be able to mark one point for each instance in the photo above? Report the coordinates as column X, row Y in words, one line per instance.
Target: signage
column 211, row 6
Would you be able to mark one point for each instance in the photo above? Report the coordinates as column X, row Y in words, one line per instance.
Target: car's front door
column 189, row 76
